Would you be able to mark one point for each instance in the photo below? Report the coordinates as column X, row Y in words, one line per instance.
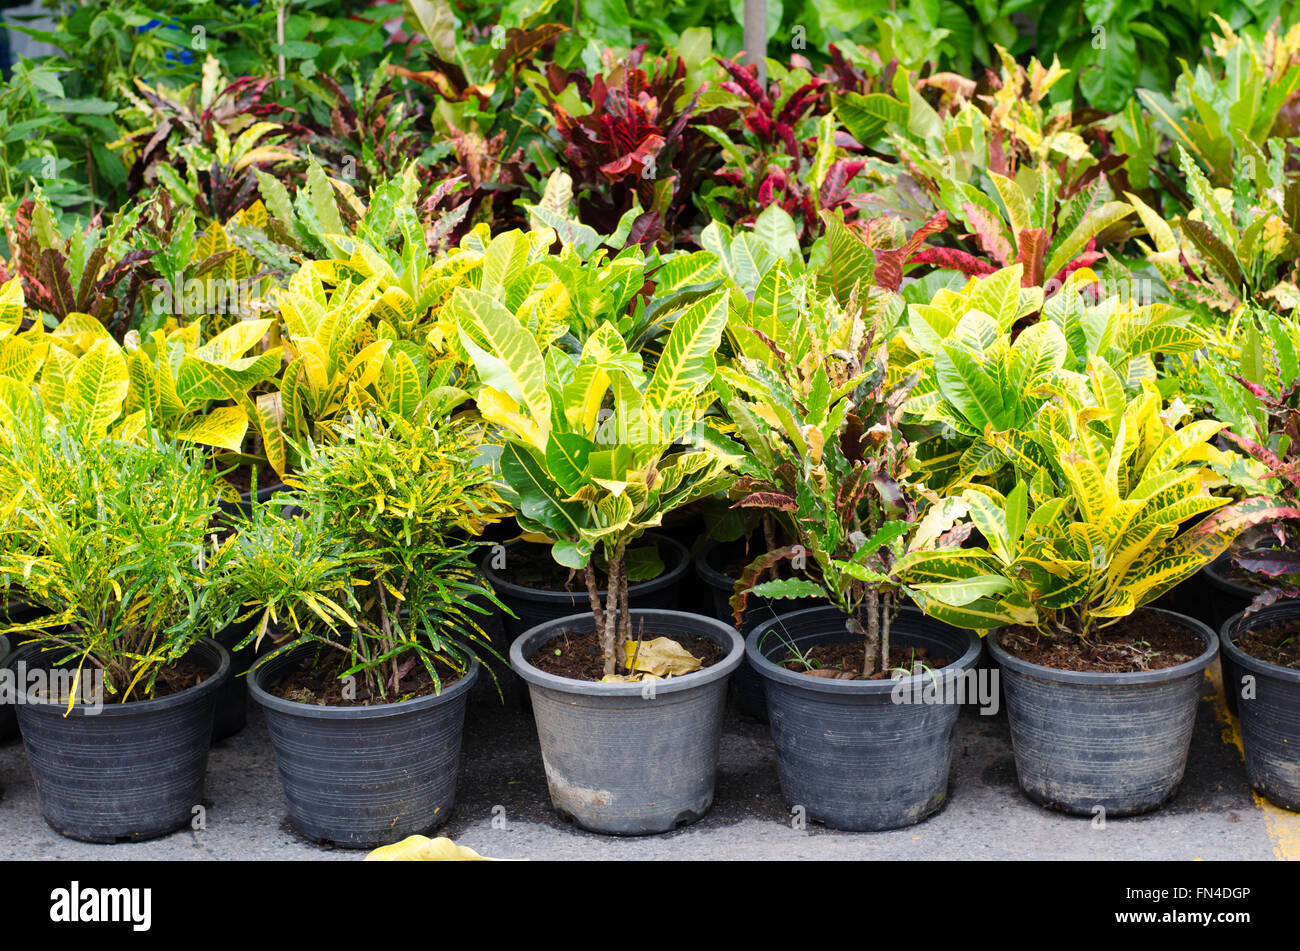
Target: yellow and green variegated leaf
column 224, row 427
column 506, row 355
column 11, row 307
column 1090, row 543
column 1178, row 447
column 1094, row 222
column 1107, row 387
column 143, row 394
column 1069, row 590
column 964, row 591
column 687, row 363
column 396, row 307
column 79, row 332
column 233, row 342
column 1013, row 200
column 1162, row 236
column 21, row 359
column 1088, row 484
column 940, row 566
column 983, row 614
column 998, row 296
column 97, row 388
column 584, row 395
column 404, row 393
column 129, row 428
column 1040, row 349
column 269, row 425
column 505, row 258
column 362, row 370
column 986, row 510
column 1163, row 575
column 502, row 409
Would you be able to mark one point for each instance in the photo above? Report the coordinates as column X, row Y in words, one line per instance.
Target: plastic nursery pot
column 1269, row 707
column 244, row 506
column 8, row 718
column 364, row 776
column 1118, row 741
column 1212, row 597
column 12, row 612
column 746, row 685
column 232, row 698
column 630, row 759
column 862, row 755
column 533, row 606
column 129, row 771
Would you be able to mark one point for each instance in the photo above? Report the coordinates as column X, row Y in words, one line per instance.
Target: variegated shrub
column 1114, row 504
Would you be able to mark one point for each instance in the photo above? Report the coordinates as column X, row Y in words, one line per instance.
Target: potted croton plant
column 371, row 601
column 115, row 680
column 826, row 454
column 1111, row 506
column 596, row 450
column 1261, row 644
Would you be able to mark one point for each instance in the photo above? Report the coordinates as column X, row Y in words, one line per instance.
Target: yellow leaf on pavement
column 420, row 848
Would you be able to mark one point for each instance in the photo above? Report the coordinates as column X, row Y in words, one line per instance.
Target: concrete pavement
column 1214, row 815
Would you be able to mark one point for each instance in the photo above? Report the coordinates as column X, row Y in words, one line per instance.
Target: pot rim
column 1224, row 583
column 759, row 661
column 1126, row 678
column 311, row 711
column 1249, row 661
column 705, row 571
column 706, row 675
column 136, row 707
column 637, row 589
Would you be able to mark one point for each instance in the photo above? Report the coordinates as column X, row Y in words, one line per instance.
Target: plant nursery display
column 376, row 361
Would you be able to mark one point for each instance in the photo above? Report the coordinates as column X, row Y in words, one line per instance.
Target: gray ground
column 1212, row 817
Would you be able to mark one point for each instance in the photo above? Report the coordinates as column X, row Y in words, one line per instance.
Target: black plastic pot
column 8, row 718
column 1212, row 597
column 848, row 751
column 131, row 771
column 1084, row 740
column 630, row 759
column 232, row 698
column 534, row 606
column 746, row 685
column 244, row 506
column 364, row 776
column 12, row 612
column 1269, row 708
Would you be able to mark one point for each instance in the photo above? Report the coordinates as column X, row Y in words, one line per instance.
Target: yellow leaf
column 420, row 848
column 662, row 656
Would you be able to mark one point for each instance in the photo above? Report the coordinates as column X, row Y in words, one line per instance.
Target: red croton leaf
column 1032, row 244
column 988, row 232
column 954, row 259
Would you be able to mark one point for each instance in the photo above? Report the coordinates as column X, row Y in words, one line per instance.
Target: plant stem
column 593, row 595
column 608, row 641
column 873, row 639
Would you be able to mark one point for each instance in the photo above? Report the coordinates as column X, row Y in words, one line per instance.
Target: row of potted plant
column 991, row 459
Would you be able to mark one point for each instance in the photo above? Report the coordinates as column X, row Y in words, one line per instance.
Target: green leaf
column 788, row 588
column 865, row 117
